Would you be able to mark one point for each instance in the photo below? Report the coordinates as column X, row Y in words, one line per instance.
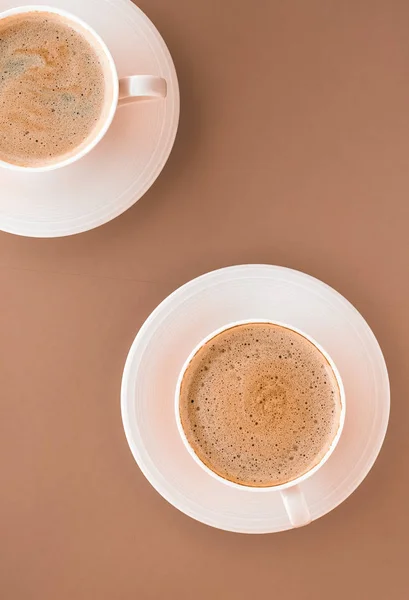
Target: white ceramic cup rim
column 114, row 83
column 288, row 484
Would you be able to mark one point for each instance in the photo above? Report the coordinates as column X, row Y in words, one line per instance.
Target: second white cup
column 291, row 491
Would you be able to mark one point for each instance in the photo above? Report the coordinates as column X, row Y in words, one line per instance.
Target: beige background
column 293, row 149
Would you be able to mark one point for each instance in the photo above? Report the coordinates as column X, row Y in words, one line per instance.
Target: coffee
column 52, row 89
column 259, row 404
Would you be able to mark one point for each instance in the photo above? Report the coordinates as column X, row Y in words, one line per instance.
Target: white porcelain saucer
column 205, row 304
column 125, row 164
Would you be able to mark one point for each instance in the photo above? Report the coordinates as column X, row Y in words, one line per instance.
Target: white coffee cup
column 291, row 492
column 117, row 91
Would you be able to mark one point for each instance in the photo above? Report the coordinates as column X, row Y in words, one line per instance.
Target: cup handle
column 296, row 506
column 141, row 87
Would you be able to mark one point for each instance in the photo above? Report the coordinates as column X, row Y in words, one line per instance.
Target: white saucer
column 205, row 304
column 128, row 160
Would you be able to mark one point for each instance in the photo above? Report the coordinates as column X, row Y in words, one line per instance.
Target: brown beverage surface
column 51, row 89
column 260, row 405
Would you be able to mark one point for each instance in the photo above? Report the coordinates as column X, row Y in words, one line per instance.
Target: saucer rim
column 66, row 226
column 148, row 467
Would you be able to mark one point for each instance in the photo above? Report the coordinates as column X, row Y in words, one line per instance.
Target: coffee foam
column 52, row 89
column 260, row 405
